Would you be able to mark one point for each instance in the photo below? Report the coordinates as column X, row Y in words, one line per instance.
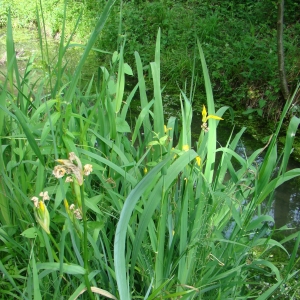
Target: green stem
column 58, row 249
column 84, row 246
column 55, row 244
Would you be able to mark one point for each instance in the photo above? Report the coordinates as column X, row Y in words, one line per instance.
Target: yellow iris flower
column 205, row 117
column 167, row 129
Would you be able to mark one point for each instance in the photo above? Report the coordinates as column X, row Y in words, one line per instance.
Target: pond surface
column 286, row 204
column 27, row 45
column 286, row 198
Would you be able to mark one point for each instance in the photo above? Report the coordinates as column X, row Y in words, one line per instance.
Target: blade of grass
column 158, row 107
column 119, row 242
column 186, row 116
column 143, row 97
column 160, row 235
column 18, row 115
column 183, row 235
column 212, row 137
column 290, row 136
column 120, row 81
column 10, row 50
column 36, row 282
column 98, row 28
column 154, row 199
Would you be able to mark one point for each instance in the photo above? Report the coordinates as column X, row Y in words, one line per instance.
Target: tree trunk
column 280, row 51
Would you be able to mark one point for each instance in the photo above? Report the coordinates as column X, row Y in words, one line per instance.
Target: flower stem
column 84, row 245
column 59, row 249
column 56, row 246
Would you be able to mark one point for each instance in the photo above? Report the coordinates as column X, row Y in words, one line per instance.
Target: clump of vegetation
column 154, row 215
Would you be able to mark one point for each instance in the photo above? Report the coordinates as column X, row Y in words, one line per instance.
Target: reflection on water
column 286, row 205
column 286, row 199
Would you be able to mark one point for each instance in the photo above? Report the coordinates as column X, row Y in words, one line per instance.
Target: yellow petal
column 198, row 160
column 204, row 114
column 66, row 204
column 42, row 207
column 214, row 117
column 167, row 129
column 185, row 147
column 65, row 162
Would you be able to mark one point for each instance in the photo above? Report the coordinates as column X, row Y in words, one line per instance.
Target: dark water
column 286, row 199
column 285, row 207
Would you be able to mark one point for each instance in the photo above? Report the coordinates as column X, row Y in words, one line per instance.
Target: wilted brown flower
column 68, row 167
column 35, row 201
column 205, row 127
column 76, row 212
column 59, row 171
column 44, row 195
column 69, row 179
column 87, row 169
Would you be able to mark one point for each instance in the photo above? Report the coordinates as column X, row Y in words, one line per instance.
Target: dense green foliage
column 24, row 15
column 239, row 38
column 159, row 216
